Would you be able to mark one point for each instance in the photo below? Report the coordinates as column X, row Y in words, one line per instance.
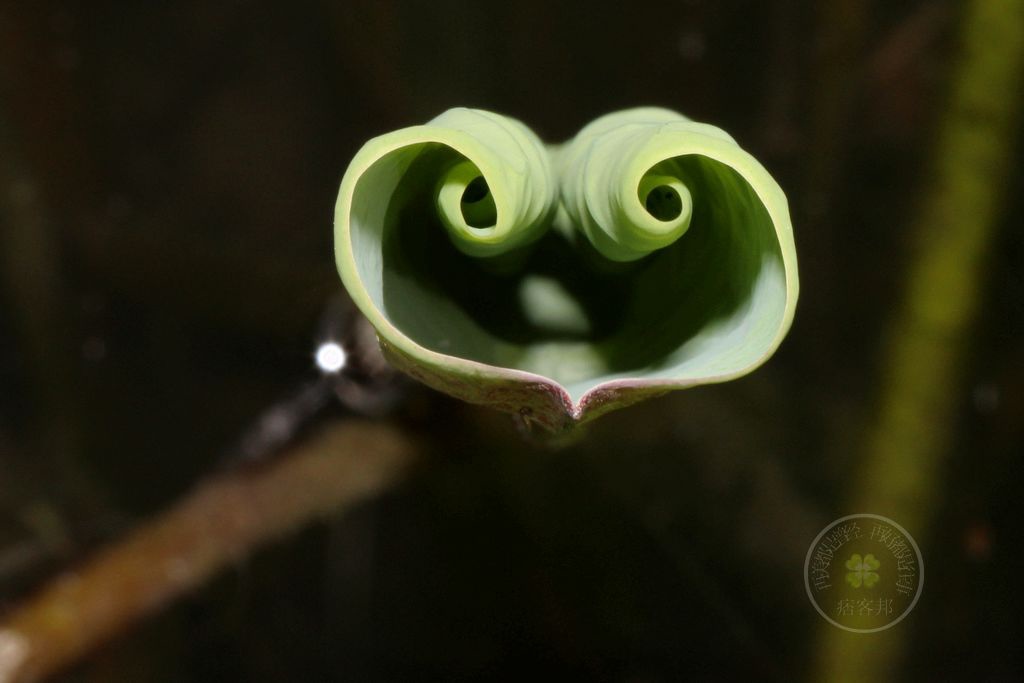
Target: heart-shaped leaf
column 647, row 254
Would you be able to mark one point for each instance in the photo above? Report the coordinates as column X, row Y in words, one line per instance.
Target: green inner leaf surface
column 711, row 303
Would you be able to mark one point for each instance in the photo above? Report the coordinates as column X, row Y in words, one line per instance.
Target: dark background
column 168, row 176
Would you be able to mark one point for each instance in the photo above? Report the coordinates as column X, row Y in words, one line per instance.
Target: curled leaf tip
column 646, row 254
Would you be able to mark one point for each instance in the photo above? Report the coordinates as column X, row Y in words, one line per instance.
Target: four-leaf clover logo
column 862, row 570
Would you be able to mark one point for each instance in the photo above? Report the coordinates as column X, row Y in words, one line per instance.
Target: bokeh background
column 167, row 179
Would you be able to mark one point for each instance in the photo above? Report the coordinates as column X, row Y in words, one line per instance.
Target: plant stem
column 901, row 468
column 223, row 520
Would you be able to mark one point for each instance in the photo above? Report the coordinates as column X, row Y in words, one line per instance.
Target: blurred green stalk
column 901, row 467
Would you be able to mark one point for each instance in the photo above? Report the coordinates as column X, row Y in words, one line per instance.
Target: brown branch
column 222, row 521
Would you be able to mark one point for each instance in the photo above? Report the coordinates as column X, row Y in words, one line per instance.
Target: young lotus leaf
column 647, row 254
